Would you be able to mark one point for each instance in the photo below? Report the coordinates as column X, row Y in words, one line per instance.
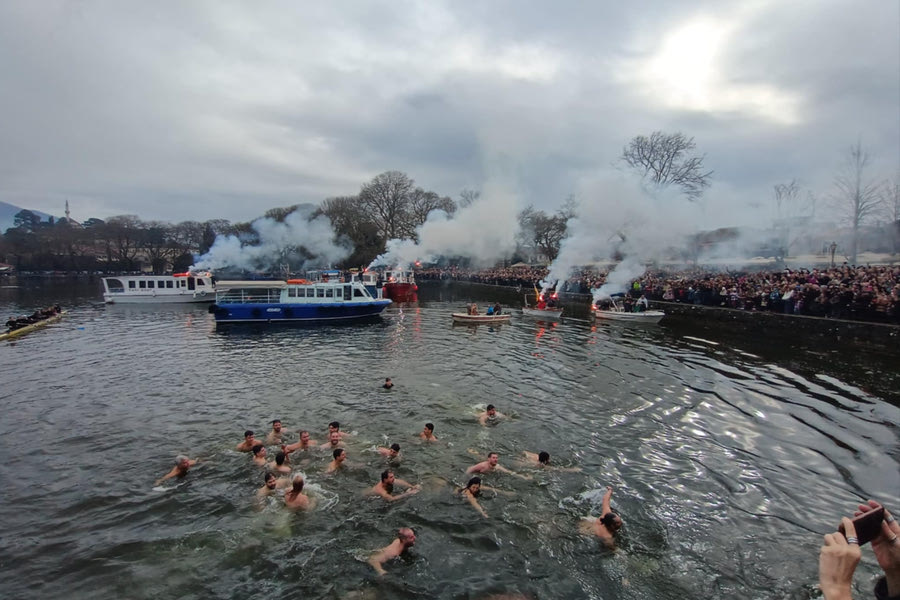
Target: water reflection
column 723, row 463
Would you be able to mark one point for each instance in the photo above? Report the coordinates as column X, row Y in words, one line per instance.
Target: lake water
column 727, row 466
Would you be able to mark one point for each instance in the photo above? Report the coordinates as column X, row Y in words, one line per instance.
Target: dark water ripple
column 727, row 467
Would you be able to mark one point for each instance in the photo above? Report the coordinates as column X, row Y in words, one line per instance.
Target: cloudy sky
column 178, row 110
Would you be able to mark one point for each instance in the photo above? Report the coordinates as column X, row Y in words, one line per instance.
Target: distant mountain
column 8, row 214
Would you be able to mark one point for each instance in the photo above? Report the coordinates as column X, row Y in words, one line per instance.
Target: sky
column 196, row 110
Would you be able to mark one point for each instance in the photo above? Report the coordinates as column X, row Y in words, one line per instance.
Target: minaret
column 68, row 216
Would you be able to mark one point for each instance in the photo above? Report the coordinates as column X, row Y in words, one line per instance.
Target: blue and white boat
column 294, row 300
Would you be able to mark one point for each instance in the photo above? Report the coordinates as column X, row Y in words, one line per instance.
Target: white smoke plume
column 484, row 231
column 618, row 215
column 276, row 242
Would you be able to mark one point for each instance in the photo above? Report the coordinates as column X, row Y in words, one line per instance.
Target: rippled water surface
column 727, row 466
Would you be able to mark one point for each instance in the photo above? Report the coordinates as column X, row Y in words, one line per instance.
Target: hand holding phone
column 867, row 525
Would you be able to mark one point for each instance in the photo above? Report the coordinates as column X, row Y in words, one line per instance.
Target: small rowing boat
column 546, row 314
column 32, row 327
column 611, row 308
column 476, row 319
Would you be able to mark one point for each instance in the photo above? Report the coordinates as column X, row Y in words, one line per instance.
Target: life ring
column 202, row 292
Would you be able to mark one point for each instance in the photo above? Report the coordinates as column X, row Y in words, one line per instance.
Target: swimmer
column 385, row 488
column 248, row 443
column 406, row 539
column 490, row 415
column 391, row 453
column 295, row 499
column 388, row 384
column 259, row 455
column 606, row 526
column 428, row 433
column 334, row 441
column 272, row 483
column 492, row 464
column 471, row 493
column 542, row 460
column 281, row 465
column 274, row 436
column 304, row 444
column 181, row 468
column 336, row 426
column 340, row 455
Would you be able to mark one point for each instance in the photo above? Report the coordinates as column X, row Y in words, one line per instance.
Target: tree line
column 392, row 206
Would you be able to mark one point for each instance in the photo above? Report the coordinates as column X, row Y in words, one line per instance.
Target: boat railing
column 249, row 296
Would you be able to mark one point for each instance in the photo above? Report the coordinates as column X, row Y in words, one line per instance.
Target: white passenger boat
column 159, row 289
column 476, row 319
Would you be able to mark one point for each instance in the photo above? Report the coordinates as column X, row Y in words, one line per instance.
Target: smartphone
column 867, row 525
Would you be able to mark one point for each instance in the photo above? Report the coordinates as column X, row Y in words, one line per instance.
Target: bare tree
column 664, row 159
column 385, row 200
column 792, row 215
column 421, row 203
column 856, row 199
column 467, row 197
column 542, row 231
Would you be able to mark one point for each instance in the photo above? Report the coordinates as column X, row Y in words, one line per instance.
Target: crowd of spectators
column 868, row 293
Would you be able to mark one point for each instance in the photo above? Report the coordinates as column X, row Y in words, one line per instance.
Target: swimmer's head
column 248, row 434
column 544, row 458
column 258, row 450
column 395, row 449
column 611, row 521
column 279, row 458
column 339, row 454
column 334, row 426
column 297, row 483
column 181, row 458
column 429, row 427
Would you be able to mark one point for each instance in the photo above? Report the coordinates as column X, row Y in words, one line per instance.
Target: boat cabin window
column 358, row 293
column 160, row 284
column 320, row 292
column 200, row 281
column 169, row 284
column 292, row 292
column 131, row 284
column 347, row 293
column 329, row 293
column 151, row 284
column 142, row 284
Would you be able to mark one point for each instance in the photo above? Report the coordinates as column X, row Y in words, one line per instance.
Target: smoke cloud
column 276, row 243
column 484, row 231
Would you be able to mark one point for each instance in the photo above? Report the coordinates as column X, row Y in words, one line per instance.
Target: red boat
column 400, row 286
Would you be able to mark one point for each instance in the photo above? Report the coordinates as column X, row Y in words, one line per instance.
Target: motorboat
column 612, row 309
column 294, row 300
column 546, row 314
column 26, row 329
column 159, row 289
column 400, row 285
column 480, row 318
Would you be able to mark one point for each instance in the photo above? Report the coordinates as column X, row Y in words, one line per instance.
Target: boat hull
column 401, row 292
column 547, row 314
column 186, row 298
column 15, row 333
column 288, row 313
column 475, row 319
column 649, row 316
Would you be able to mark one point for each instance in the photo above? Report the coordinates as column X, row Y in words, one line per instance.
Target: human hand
column 837, row 562
column 886, row 547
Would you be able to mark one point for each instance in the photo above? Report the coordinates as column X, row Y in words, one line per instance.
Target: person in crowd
column 272, row 483
column 339, row 456
column 491, row 465
column 428, row 433
column 388, row 384
column 406, row 539
column 542, row 460
column 304, row 444
column 295, row 499
column 334, row 441
column 385, row 488
column 259, row 455
column 490, row 416
column 840, row 553
column 274, row 436
column 181, row 468
column 392, row 453
column 248, row 443
column 281, row 465
column 607, row 525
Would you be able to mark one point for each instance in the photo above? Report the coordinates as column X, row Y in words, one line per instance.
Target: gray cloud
column 223, row 109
